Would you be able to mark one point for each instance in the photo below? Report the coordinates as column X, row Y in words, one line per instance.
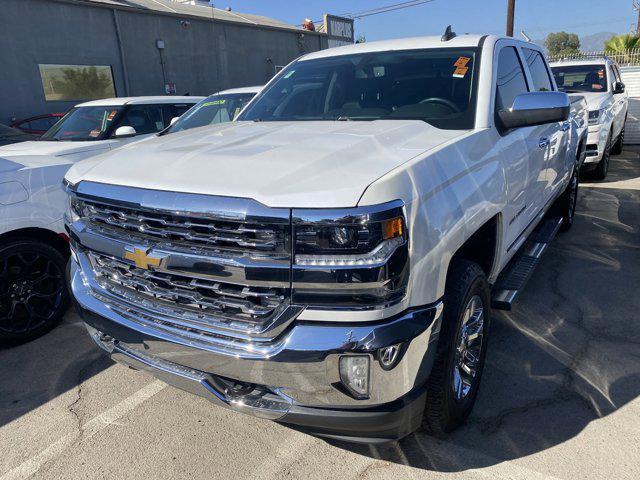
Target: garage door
column 631, row 78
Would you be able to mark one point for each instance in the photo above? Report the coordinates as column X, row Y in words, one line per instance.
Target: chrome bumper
column 300, row 371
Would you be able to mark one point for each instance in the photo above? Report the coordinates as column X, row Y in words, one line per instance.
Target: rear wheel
column 452, row 387
column 600, row 173
column 33, row 290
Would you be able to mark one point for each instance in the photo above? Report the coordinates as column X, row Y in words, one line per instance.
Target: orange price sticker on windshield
column 460, row 72
column 461, row 62
column 111, row 115
column 601, row 73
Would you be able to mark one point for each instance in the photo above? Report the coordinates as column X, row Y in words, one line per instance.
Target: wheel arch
column 481, row 247
column 58, row 241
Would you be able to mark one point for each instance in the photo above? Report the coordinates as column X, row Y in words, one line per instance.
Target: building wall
column 199, row 58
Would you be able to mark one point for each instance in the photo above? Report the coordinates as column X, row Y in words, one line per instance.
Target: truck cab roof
column 150, row 100
column 414, row 43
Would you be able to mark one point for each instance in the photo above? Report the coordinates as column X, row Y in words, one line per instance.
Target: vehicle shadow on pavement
column 569, row 352
column 38, row 371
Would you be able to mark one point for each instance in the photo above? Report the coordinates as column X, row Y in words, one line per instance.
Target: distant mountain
column 595, row 42
column 588, row 43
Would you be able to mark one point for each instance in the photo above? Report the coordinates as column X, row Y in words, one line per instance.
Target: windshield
column 434, row 85
column 581, row 78
column 84, row 123
column 212, row 110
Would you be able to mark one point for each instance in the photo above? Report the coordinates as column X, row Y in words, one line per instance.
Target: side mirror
column 618, row 87
column 536, row 108
column 124, row 132
column 174, row 120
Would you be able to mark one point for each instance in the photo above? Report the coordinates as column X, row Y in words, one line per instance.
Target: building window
column 76, row 82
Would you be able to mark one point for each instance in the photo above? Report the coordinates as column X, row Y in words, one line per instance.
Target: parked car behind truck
column 221, row 107
column 599, row 81
column 330, row 260
column 33, row 246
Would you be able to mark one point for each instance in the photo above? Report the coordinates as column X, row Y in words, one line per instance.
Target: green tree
column 562, row 43
column 83, row 83
column 621, row 43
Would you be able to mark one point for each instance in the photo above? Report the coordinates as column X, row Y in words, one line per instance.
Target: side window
column 41, row 124
column 616, row 73
column 144, row 118
column 511, row 80
column 538, row 69
column 180, row 109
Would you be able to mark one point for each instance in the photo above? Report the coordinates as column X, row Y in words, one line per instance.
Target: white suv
column 599, row 81
column 33, row 246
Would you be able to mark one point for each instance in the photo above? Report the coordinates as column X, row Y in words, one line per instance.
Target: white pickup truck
column 598, row 80
column 33, row 245
column 330, row 259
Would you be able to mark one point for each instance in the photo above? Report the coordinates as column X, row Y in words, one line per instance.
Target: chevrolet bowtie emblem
column 140, row 257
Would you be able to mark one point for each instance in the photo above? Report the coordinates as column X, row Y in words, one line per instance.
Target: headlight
column 352, row 258
column 73, row 209
column 594, row 117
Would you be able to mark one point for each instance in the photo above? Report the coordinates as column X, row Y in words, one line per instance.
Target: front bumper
column 596, row 141
column 296, row 382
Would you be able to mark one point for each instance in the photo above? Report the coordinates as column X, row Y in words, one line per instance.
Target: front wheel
column 601, row 171
column 619, row 145
column 453, row 385
column 33, row 290
column 566, row 204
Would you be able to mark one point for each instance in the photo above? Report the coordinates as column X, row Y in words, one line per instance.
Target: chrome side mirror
column 536, row 108
column 174, row 120
column 124, row 132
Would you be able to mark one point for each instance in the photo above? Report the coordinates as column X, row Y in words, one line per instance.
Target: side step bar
column 511, row 282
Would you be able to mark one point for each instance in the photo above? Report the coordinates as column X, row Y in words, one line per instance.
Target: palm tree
column 621, row 46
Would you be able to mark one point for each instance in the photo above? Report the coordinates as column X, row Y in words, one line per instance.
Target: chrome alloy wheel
column 468, row 348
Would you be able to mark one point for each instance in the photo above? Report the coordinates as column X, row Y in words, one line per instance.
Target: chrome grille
column 225, row 263
column 203, row 298
column 188, row 230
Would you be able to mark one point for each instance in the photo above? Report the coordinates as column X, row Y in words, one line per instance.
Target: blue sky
column 536, row 17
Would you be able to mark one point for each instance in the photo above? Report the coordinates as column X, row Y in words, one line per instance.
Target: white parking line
column 88, row 430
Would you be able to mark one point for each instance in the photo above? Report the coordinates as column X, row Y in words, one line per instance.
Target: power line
column 387, row 8
column 383, row 9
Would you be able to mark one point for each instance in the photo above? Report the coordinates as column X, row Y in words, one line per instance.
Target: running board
column 512, row 281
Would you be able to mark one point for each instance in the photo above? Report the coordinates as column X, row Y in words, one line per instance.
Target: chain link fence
column 625, row 58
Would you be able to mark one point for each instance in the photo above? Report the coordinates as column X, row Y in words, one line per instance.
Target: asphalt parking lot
column 560, row 395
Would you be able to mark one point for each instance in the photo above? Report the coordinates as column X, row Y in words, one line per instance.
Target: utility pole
column 636, row 7
column 511, row 8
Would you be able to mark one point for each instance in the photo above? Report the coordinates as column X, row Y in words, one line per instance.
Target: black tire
column 601, row 171
column 445, row 409
column 33, row 290
column 566, row 204
column 617, row 147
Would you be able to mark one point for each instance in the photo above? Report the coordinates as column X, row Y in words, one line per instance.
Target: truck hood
column 280, row 164
column 51, row 148
column 594, row 100
column 11, row 164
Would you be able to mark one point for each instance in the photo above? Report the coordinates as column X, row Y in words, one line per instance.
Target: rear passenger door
column 548, row 142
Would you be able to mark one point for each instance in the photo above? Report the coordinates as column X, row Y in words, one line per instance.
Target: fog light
column 354, row 373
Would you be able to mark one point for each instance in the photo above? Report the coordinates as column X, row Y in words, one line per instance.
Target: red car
column 38, row 124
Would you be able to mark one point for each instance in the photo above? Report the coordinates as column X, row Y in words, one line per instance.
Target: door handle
column 543, row 142
column 565, row 126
